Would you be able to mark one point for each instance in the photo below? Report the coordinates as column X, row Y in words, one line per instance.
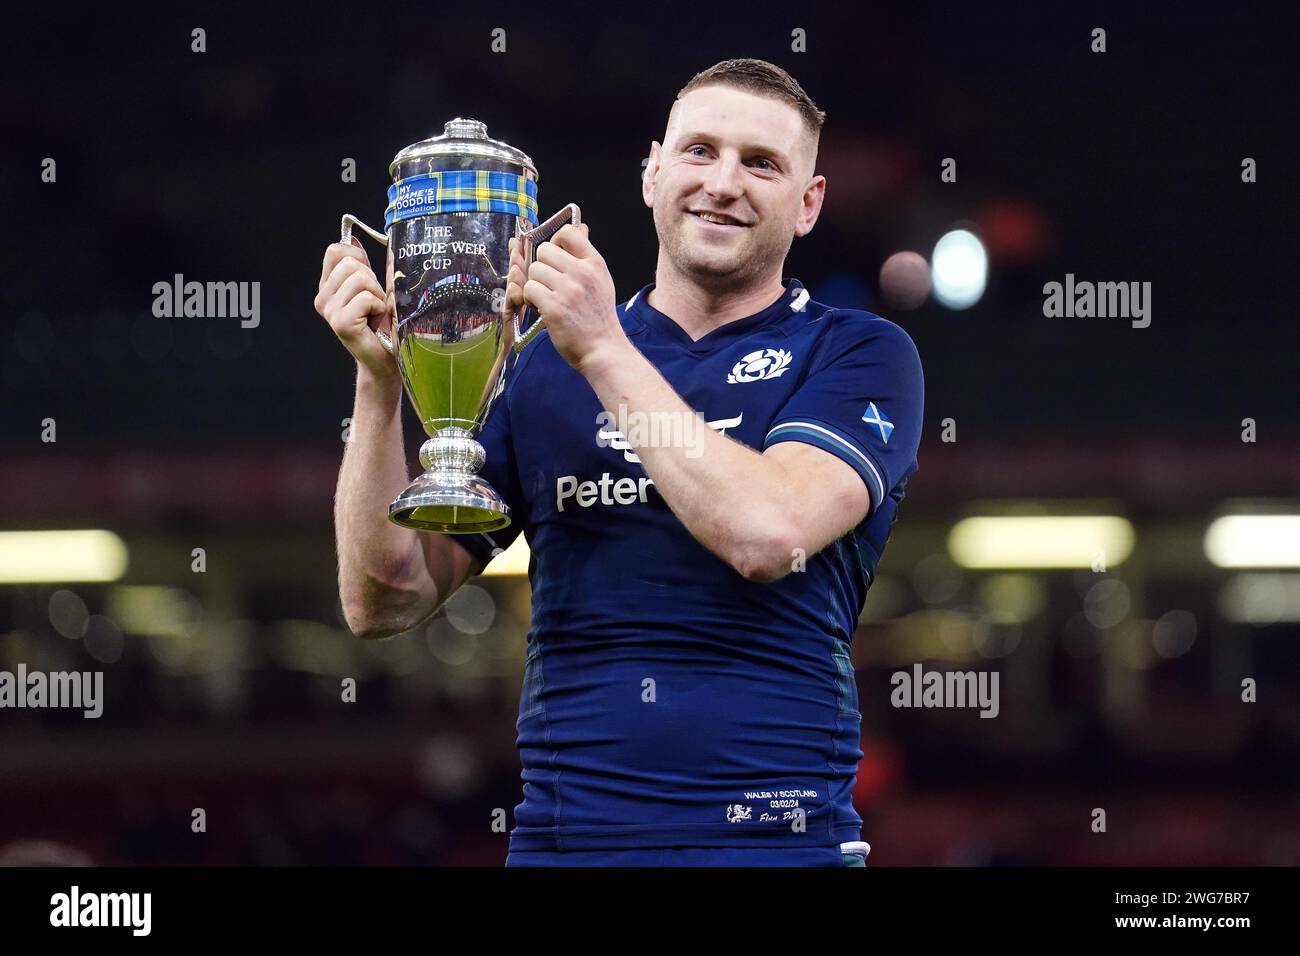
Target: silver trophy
column 456, row 201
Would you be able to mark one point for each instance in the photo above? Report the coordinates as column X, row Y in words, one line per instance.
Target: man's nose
column 724, row 178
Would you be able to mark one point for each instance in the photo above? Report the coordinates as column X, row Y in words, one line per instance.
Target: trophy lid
column 464, row 137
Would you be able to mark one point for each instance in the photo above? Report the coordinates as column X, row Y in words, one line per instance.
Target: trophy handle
column 530, row 241
column 345, row 237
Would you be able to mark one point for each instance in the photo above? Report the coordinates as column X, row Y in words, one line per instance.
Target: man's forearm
column 731, row 498
column 373, row 553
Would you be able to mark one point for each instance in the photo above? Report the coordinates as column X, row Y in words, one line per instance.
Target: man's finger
column 356, row 285
column 516, row 249
column 573, row 240
column 539, row 295
column 518, row 272
column 336, row 251
column 514, row 297
column 544, row 274
column 344, row 268
column 556, row 256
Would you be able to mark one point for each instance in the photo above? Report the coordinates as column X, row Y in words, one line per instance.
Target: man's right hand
column 354, row 304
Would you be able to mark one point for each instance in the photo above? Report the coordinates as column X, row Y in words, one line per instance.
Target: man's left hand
column 571, row 288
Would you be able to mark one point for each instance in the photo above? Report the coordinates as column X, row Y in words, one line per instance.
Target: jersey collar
column 795, row 297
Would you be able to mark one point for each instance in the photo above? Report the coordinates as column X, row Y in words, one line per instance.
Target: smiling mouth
column 719, row 221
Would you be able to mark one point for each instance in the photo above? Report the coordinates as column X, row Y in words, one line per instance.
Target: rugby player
column 688, row 695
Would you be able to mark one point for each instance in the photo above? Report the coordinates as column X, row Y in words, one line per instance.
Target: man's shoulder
column 838, row 332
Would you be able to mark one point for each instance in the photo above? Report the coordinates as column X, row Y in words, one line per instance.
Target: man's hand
column 354, row 304
column 571, row 288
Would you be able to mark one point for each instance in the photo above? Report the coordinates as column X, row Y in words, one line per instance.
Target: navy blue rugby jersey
column 668, row 701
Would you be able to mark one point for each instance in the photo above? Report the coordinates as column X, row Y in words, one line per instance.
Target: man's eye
column 767, row 161
column 693, row 149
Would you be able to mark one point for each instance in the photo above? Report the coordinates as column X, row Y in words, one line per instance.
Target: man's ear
column 649, row 174
column 813, row 197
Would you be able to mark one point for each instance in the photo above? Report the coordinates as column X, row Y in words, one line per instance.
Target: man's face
column 745, row 158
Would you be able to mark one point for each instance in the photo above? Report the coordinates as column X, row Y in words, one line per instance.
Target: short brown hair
column 765, row 79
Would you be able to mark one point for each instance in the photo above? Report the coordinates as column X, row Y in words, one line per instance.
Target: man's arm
column 390, row 578
column 752, row 510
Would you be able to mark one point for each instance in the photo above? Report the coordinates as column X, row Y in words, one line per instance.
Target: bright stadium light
column 1254, row 541
column 1040, row 541
column 38, row 557
column 959, row 269
column 512, row 562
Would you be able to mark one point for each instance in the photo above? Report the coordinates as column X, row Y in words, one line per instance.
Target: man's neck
column 700, row 310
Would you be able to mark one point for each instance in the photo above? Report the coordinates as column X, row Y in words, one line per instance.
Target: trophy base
column 450, row 504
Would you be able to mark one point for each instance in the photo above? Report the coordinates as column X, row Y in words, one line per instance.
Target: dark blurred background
column 1121, row 687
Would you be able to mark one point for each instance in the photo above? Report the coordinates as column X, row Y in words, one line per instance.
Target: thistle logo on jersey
column 760, row 365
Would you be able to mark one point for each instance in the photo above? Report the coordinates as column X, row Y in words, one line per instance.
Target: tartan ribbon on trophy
column 461, row 190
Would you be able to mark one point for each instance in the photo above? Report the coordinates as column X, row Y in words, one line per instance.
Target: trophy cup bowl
column 456, row 201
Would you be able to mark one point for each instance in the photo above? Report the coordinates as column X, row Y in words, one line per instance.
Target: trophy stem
column 452, row 451
column 450, row 497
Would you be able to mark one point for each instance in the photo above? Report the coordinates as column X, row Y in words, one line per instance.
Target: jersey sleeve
column 863, row 402
column 501, row 472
